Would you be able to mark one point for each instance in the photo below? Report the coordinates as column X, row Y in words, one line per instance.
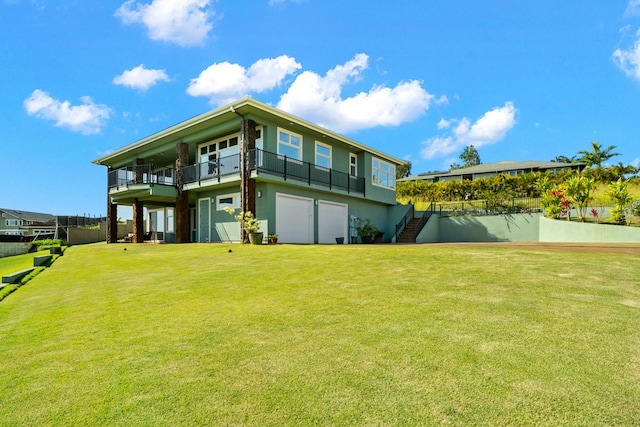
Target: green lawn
column 12, row 264
column 323, row 335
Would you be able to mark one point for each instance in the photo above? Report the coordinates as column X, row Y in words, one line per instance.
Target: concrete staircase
column 410, row 233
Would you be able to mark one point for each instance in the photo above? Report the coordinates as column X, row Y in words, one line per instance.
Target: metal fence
column 488, row 207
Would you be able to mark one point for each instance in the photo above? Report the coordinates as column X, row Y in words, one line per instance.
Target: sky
column 417, row 79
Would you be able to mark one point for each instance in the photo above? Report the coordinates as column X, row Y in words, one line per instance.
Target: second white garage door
column 332, row 221
column 294, row 219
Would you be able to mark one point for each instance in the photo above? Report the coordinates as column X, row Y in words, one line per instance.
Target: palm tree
column 621, row 170
column 564, row 159
column 597, row 156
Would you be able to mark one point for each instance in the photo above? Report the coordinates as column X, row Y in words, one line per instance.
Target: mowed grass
column 323, row 335
column 13, row 264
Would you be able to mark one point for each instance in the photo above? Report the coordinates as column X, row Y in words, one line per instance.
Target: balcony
column 262, row 162
column 143, row 174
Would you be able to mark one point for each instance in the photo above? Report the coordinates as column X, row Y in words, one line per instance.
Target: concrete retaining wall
column 493, row 228
column 13, row 248
column 554, row 230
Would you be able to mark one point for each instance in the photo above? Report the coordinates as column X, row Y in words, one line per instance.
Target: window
column 323, row 155
column 383, row 174
column 353, row 164
column 289, row 144
column 12, row 222
column 228, row 201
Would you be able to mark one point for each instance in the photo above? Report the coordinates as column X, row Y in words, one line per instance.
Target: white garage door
column 294, row 219
column 332, row 221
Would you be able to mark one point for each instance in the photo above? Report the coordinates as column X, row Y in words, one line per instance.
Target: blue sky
column 420, row 80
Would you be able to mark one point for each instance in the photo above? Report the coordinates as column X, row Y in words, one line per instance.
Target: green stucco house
column 302, row 181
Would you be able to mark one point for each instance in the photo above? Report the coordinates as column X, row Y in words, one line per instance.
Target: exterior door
column 294, row 219
column 204, row 230
column 333, row 221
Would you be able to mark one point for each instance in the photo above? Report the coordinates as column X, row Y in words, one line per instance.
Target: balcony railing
column 213, row 169
column 142, row 174
column 288, row 168
column 262, row 161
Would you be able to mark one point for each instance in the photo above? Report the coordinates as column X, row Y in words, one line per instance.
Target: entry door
column 204, row 229
column 294, row 219
column 332, row 221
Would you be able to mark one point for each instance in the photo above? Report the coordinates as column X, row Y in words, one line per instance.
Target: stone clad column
column 138, row 222
column 112, row 214
column 182, row 201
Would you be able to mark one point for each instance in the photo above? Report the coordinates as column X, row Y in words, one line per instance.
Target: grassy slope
column 13, row 264
column 332, row 335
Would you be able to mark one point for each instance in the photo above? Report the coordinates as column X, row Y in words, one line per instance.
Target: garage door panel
column 294, row 219
column 332, row 221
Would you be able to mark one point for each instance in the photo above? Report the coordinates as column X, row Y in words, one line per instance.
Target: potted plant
column 273, row 238
column 249, row 224
column 367, row 231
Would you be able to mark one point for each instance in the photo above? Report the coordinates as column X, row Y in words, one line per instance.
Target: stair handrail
column 400, row 226
column 423, row 219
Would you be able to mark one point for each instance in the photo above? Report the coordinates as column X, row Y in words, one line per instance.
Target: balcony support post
column 182, row 201
column 112, row 216
column 138, row 221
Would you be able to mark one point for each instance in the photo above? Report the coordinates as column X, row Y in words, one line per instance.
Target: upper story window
column 289, row 144
column 383, row 174
column 353, row 164
column 12, row 222
column 323, row 155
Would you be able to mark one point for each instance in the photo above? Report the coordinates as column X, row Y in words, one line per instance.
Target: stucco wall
column 553, row 230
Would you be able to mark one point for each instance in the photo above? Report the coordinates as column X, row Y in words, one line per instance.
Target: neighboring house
column 487, row 170
column 302, row 181
column 30, row 224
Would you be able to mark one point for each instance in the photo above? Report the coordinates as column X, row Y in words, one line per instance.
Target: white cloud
column 140, row 78
column 633, row 8
column 488, row 129
column 318, row 99
column 88, row 118
column 223, row 82
column 629, row 60
column 183, row 22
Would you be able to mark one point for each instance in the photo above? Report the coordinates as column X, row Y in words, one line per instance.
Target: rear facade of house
column 302, row 181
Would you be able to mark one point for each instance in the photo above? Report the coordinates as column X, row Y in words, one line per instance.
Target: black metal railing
column 259, row 160
column 288, row 168
column 141, row 174
column 213, row 169
column 406, row 219
column 489, row 207
column 402, row 225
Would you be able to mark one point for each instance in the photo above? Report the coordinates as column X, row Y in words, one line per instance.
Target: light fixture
column 259, row 193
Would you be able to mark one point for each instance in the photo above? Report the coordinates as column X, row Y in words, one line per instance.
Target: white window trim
column 236, row 204
column 355, row 164
column 392, row 173
column 288, row 132
column 329, row 157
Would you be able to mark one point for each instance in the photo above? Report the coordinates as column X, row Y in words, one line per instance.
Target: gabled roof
column 499, row 167
column 243, row 107
column 29, row 216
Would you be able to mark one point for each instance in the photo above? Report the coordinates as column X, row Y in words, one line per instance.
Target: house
column 302, row 181
column 487, row 170
column 28, row 224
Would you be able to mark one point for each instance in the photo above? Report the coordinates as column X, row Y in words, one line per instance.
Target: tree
column 470, row 157
column 564, row 159
column 621, row 170
column 597, row 156
column 403, row 170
